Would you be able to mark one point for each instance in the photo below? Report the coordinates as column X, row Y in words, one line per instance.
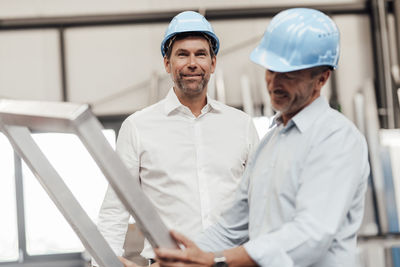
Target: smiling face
column 290, row 92
column 190, row 65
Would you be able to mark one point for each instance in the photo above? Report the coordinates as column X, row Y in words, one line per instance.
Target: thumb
column 180, row 238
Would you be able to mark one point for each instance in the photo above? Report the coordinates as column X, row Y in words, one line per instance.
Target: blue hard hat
column 189, row 21
column 298, row 38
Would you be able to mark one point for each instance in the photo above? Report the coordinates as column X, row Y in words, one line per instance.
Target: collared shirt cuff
column 267, row 254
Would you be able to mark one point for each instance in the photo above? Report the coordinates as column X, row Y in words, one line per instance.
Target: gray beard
column 200, row 87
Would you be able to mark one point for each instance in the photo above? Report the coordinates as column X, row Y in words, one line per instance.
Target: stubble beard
column 294, row 103
column 188, row 90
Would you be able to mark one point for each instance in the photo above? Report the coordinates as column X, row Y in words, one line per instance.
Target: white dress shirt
column 188, row 166
column 301, row 200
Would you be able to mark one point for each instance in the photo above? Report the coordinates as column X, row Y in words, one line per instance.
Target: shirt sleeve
column 332, row 181
column 113, row 217
column 232, row 228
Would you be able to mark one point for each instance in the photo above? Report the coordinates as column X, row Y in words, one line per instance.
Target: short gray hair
column 319, row 69
column 180, row 36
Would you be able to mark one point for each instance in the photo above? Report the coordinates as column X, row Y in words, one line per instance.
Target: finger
column 180, row 238
column 127, row 263
column 177, row 264
column 167, row 263
column 168, row 255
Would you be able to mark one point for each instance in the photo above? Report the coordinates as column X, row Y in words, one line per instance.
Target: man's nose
column 192, row 61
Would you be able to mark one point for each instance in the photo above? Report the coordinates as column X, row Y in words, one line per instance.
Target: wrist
column 210, row 259
column 219, row 259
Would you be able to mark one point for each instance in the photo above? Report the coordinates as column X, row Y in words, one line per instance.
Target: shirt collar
column 214, row 104
column 305, row 118
column 172, row 103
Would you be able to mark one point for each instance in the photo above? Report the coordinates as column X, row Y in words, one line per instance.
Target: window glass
column 390, row 138
column 47, row 230
column 8, row 222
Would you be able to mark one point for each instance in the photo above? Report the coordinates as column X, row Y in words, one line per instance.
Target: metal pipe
column 165, row 16
column 248, row 105
column 396, row 11
column 386, row 63
column 398, row 95
column 383, row 62
column 19, row 193
column 63, row 65
column 372, row 136
column 396, row 68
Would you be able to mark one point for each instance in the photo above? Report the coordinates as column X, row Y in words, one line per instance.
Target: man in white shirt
column 188, row 151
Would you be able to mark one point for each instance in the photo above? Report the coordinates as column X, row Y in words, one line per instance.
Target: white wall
column 356, row 59
column 29, row 65
column 106, row 65
column 103, row 61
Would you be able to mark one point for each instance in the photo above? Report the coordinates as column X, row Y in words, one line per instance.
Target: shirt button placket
column 202, row 179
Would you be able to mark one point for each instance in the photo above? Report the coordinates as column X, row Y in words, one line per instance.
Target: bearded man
column 188, row 151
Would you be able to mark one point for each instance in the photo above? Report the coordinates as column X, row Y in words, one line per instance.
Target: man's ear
column 323, row 78
column 167, row 65
column 213, row 63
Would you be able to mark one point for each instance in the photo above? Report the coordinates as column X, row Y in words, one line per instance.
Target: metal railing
column 19, row 118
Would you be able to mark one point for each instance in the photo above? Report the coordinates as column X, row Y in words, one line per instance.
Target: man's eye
column 290, row 76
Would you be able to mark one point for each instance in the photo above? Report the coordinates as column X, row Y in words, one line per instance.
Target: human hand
column 190, row 256
column 127, row 263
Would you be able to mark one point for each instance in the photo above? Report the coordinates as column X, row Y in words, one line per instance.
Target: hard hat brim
column 276, row 63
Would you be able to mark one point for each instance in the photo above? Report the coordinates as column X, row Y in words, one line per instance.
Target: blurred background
column 107, row 54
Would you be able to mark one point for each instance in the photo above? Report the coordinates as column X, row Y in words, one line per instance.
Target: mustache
column 279, row 91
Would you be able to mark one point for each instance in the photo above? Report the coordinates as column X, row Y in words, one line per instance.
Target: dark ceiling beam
column 260, row 12
column 165, row 16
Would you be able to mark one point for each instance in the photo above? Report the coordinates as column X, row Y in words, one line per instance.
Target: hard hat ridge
column 186, row 22
column 296, row 39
